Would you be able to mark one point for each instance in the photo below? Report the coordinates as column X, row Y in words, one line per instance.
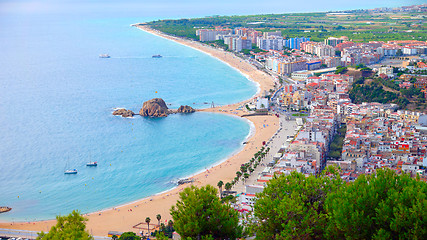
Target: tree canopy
column 68, row 227
column 292, row 206
column 129, row 236
column 199, row 214
column 384, row 205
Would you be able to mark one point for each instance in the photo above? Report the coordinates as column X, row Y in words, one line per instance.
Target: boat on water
column 157, row 56
column 70, row 171
column 92, row 164
column 185, row 180
column 104, row 56
column 5, row 209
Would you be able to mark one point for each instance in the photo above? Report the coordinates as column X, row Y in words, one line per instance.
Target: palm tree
column 158, row 216
column 147, row 220
column 228, row 186
column 170, row 223
column 246, row 175
column 220, row 184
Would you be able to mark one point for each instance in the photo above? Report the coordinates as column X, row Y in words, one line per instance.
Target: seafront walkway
column 287, row 128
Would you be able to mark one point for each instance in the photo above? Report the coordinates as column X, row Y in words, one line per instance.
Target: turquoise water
column 56, row 102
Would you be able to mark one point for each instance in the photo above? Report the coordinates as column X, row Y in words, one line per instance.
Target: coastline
column 124, row 217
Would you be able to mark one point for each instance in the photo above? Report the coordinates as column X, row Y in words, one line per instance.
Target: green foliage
column 379, row 206
column 67, row 228
column 219, row 44
column 335, row 148
column 161, row 236
column 360, row 66
column 228, row 186
column 412, row 92
column 340, row 70
column 164, row 232
column 373, row 92
column 300, row 115
column 292, row 206
column 229, row 199
column 200, row 213
column 129, row 236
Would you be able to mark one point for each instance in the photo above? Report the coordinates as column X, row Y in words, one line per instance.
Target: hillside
column 387, row 91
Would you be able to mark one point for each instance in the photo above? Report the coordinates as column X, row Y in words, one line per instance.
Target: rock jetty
column 155, row 107
column 123, row 112
column 185, row 109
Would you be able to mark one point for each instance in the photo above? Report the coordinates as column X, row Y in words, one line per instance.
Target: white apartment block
column 270, row 43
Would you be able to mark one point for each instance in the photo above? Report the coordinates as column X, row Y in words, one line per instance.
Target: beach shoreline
column 124, row 217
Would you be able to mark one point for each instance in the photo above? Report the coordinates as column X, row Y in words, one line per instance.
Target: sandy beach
column 123, row 218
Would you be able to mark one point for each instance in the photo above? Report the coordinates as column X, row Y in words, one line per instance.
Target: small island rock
column 185, row 109
column 123, row 112
column 155, row 107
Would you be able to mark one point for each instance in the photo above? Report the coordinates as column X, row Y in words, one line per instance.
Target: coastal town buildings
column 376, row 135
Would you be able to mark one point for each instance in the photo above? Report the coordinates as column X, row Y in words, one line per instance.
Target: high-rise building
column 237, row 43
column 333, row 41
column 295, row 43
column 272, row 34
column 208, row 35
column 270, row 43
column 288, row 67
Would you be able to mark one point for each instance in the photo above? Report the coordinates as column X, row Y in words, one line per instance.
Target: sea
column 56, row 102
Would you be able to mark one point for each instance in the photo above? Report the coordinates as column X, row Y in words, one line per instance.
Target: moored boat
column 92, row 164
column 70, row 171
column 5, row 209
column 185, row 180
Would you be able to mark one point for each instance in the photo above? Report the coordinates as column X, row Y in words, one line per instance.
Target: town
column 313, row 94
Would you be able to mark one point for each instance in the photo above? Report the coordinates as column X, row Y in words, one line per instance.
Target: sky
column 188, row 8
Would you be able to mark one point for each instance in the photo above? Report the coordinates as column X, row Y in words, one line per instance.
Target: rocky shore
column 155, row 107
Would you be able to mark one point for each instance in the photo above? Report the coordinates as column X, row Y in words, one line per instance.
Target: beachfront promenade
column 287, row 128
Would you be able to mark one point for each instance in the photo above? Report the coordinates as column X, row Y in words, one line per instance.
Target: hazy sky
column 188, row 8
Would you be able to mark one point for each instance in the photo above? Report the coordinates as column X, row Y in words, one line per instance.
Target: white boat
column 92, row 164
column 70, row 171
column 104, row 56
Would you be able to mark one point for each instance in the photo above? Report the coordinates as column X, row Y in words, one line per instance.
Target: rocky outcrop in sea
column 123, row 112
column 155, row 107
column 185, row 109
